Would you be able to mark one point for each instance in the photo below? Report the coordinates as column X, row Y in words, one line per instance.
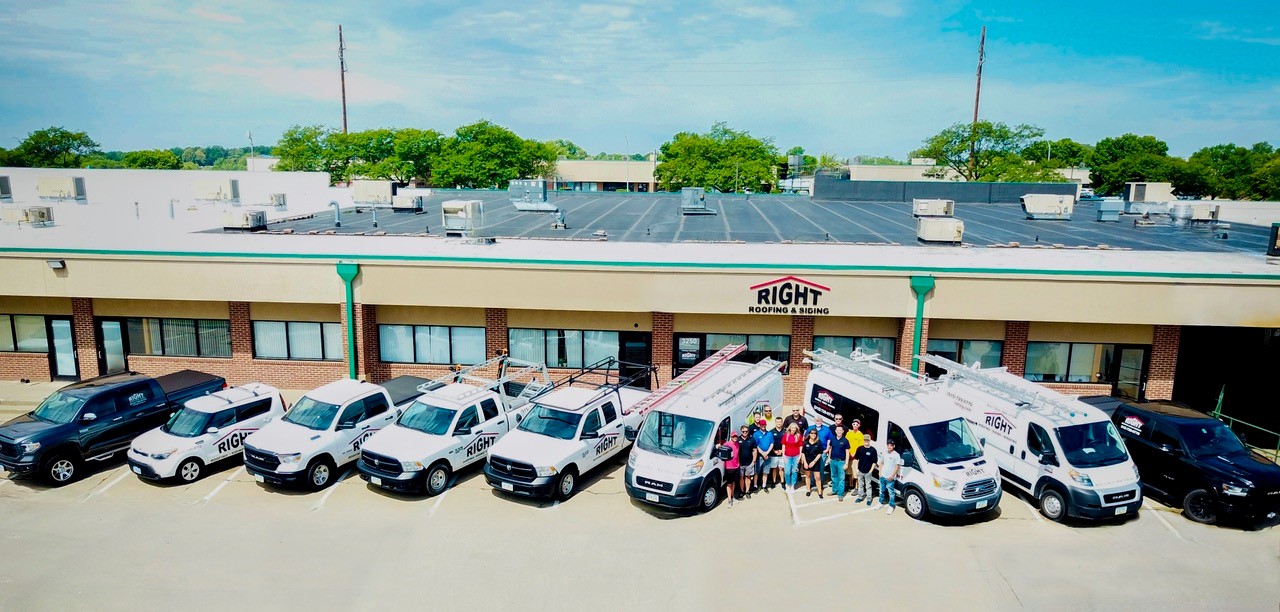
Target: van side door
column 910, row 462
column 1030, row 469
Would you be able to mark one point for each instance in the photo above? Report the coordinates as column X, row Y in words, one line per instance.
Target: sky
column 860, row 77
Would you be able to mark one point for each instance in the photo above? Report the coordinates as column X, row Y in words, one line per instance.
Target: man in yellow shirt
column 855, row 437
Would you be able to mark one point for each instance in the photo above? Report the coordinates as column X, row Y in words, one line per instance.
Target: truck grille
column 10, row 450
column 514, row 469
column 261, row 459
column 656, row 485
column 978, row 488
column 1113, row 498
column 380, row 462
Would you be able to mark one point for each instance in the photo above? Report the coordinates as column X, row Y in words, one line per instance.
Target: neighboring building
column 913, row 172
column 600, row 175
column 261, row 163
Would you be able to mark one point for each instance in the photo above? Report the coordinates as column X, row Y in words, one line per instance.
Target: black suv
column 1193, row 460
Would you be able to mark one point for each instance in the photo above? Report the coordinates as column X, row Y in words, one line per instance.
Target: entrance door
column 111, row 349
column 1129, row 380
column 688, row 353
column 635, row 349
column 62, row 349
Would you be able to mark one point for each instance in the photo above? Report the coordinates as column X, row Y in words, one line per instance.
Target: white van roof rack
column 677, row 384
column 1056, row 408
column 870, row 367
column 540, row 383
column 747, row 378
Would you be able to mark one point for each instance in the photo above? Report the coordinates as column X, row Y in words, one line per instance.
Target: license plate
column 1121, row 510
column 137, row 470
column 981, row 504
column 259, row 478
column 651, row 497
column 506, row 486
column 376, row 481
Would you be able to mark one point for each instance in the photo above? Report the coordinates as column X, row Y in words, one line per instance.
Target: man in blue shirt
column 765, row 438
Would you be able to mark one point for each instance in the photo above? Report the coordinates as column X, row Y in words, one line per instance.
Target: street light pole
column 627, row 162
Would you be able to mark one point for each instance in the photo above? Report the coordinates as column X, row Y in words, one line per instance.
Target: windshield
column 671, row 434
column 58, row 408
column 312, row 414
column 188, row 423
column 427, row 419
column 551, row 422
column 946, row 442
column 1208, row 438
column 1092, row 445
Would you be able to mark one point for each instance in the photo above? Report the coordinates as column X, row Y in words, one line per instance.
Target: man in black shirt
column 798, row 418
column 747, row 462
column 866, row 458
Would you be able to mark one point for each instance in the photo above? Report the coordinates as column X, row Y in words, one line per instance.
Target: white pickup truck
column 567, row 433
column 451, row 425
column 324, row 430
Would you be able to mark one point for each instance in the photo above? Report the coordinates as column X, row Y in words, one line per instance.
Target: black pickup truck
column 93, row 419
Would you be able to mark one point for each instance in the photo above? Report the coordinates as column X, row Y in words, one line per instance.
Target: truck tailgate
column 186, row 384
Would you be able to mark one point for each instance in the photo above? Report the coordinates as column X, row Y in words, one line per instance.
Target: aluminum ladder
column 677, row 384
column 744, row 380
column 1053, row 407
column 890, row 377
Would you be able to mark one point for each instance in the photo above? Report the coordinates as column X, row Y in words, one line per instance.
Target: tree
column 567, row 149
column 1062, row 153
column 723, row 158
column 878, row 160
column 55, row 147
column 1267, row 179
column 1231, row 169
column 1129, row 158
column 301, row 148
column 831, row 161
column 992, row 144
column 484, row 154
column 158, row 159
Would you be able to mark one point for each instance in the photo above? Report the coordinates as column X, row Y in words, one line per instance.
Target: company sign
column 789, row 295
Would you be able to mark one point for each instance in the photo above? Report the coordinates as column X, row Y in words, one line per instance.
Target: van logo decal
column 789, row 295
column 999, row 422
column 1133, row 425
column 233, row 440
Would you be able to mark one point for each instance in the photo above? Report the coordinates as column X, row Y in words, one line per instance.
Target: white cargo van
column 1062, row 451
column 676, row 461
column 944, row 470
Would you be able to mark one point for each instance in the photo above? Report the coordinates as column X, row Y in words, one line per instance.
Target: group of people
column 772, row 451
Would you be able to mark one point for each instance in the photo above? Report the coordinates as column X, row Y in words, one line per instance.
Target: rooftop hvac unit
column 244, row 220
column 1148, row 192
column 6, row 190
column 930, row 207
column 60, row 188
column 940, row 229
column 1205, row 213
column 693, row 201
column 279, row 201
column 1109, row 210
column 527, row 190
column 406, row 203
column 40, row 215
column 1048, row 206
column 1273, row 245
column 373, row 192
column 461, row 217
column 222, row 190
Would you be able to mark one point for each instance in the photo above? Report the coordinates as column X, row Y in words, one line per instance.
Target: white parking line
column 5, row 480
column 1032, row 509
column 333, row 487
column 828, row 500
column 224, row 483
column 795, row 513
column 436, row 506
column 836, row 516
column 105, row 488
column 1165, row 522
column 555, row 504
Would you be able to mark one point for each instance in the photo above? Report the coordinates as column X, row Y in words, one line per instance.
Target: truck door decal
column 233, row 440
column 481, row 443
column 359, row 440
column 607, row 442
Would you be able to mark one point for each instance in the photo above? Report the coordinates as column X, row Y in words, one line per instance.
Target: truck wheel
column 437, row 478
column 566, row 484
column 319, row 474
column 189, row 471
column 60, row 469
column 1198, row 506
column 710, row 495
column 915, row 504
column 1052, row 506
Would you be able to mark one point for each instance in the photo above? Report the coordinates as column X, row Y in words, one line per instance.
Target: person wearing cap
column 731, row 466
column 776, row 460
column 855, row 437
column 867, row 458
column 746, row 461
column 838, row 456
column 765, row 438
column 890, row 467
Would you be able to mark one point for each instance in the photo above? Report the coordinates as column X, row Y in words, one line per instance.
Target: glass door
column 111, row 351
column 635, row 349
column 1129, row 378
column 688, row 353
column 62, row 349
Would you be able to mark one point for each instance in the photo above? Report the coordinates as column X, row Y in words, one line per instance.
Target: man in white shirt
column 890, row 467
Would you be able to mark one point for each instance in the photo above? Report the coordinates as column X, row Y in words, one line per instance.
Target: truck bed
column 404, row 388
column 185, row 384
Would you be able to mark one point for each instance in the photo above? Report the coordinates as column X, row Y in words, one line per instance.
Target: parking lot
column 112, row 541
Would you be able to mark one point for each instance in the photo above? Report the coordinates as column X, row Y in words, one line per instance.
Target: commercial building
column 605, row 175
column 1081, row 306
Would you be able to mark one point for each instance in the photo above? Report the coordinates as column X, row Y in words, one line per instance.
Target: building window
column 691, row 348
column 297, row 340
column 987, row 353
column 179, row 337
column 845, row 345
column 1072, row 362
column 563, row 348
column 23, row 333
column 431, row 344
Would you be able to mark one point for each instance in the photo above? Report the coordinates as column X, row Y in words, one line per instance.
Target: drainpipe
column 921, row 286
column 348, row 271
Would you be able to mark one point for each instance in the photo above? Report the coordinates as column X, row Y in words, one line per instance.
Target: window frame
column 580, row 342
column 891, row 356
column 746, row 356
column 413, row 342
column 1067, row 373
column 13, row 333
column 197, row 331
column 324, row 347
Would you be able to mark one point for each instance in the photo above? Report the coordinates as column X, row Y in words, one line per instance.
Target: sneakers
column 859, row 499
column 839, row 498
column 889, row 511
column 808, row 493
column 877, row 505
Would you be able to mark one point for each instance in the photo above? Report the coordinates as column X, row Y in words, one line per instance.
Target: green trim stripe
column 334, row 257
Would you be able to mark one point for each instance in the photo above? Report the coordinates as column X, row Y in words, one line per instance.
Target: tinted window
column 100, row 406
column 375, row 405
column 489, row 408
column 253, row 409
column 592, row 422
column 609, row 412
column 135, row 396
column 1163, row 434
column 722, row 433
column 223, row 419
column 1038, row 440
column 351, row 414
column 828, row 403
column 468, row 419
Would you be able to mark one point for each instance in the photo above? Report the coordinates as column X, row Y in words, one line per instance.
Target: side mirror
column 724, row 453
column 346, row 426
column 88, row 416
column 1048, row 459
column 1170, row 450
column 211, row 430
column 590, row 435
column 629, row 433
column 982, row 442
column 462, row 431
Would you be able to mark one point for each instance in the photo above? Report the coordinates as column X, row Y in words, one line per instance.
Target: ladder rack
column 606, row 365
column 677, row 384
column 1054, row 407
column 481, row 384
column 746, row 379
column 889, row 376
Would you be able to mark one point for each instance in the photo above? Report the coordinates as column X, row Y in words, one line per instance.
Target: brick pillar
column 1164, row 362
column 663, row 349
column 495, row 334
column 241, row 343
column 906, row 336
column 1015, row 346
column 86, row 336
column 798, row 371
column 370, row 356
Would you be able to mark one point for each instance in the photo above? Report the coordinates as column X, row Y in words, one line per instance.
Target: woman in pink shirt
column 731, row 467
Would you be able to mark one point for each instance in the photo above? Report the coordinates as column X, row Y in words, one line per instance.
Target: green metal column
column 348, row 271
column 921, row 286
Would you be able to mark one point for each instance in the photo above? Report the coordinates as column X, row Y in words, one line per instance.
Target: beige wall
column 34, row 305
column 734, row 324
column 571, row 319
column 1041, row 331
column 173, row 309
column 599, row 171
column 428, row 315
column 952, row 329
column 862, row 327
column 322, row 313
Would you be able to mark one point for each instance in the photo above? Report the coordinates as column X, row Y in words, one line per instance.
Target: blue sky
column 856, row 77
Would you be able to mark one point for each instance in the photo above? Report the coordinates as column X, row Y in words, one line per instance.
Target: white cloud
column 1213, row 30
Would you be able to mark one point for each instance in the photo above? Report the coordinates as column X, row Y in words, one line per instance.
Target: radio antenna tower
column 977, row 96
column 342, row 75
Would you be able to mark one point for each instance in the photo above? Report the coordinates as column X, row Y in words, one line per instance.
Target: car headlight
column 1081, row 478
column 289, row 458
column 546, row 471
column 1135, row 472
column 631, row 460
column 30, row 447
column 1235, row 490
column 164, row 454
column 411, row 466
column 944, row 483
column 694, row 469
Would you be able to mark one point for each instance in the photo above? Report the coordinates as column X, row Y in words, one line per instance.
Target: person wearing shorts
column 775, row 457
column 731, row 468
column 746, row 461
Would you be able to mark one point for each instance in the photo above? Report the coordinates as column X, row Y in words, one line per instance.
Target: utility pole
column 977, row 96
column 342, row 76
